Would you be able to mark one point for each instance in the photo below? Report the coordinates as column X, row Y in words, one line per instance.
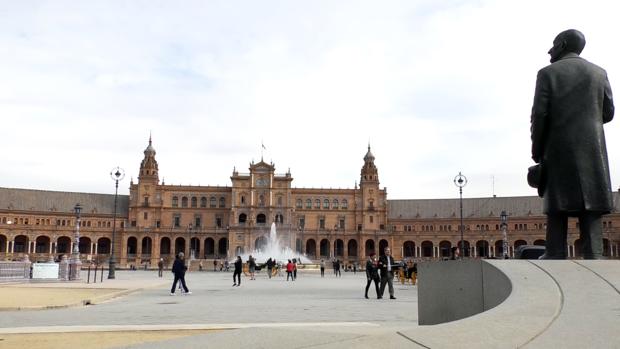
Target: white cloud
column 436, row 88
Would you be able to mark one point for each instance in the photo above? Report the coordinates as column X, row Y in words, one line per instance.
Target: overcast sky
column 436, row 87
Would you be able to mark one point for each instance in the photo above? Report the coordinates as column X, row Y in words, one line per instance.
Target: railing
column 14, row 270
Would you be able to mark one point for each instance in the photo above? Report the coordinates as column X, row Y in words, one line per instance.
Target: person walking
column 387, row 267
column 269, row 267
column 372, row 274
column 215, row 265
column 237, row 272
column 322, row 268
column 179, row 268
column 289, row 270
column 337, row 268
column 160, row 267
column 252, row 267
column 294, row 269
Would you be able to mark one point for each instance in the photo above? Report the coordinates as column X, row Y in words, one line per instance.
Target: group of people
column 291, row 269
column 381, row 272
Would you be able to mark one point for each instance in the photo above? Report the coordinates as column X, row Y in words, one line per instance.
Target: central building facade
column 158, row 220
column 217, row 222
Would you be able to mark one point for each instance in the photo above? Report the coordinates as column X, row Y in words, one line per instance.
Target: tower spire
column 149, row 168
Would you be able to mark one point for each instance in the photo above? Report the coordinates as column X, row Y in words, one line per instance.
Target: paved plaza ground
column 563, row 304
column 136, row 310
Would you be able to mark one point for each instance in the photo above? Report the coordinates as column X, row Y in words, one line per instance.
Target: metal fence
column 14, row 270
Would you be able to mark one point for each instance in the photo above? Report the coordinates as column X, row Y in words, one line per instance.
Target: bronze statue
column 572, row 102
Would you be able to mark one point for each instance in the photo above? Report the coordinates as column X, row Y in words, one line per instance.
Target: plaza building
column 158, row 220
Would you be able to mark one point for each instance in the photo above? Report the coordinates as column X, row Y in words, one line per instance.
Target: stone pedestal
column 63, row 269
column 27, row 264
column 75, row 268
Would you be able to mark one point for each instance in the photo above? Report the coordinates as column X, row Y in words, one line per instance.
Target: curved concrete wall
column 453, row 290
column 553, row 304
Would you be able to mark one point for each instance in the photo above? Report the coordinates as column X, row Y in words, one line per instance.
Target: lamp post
column 117, row 174
column 76, row 264
column 227, row 241
column 460, row 181
column 189, row 240
column 504, row 223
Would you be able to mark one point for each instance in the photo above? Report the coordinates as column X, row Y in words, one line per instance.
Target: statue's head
column 568, row 41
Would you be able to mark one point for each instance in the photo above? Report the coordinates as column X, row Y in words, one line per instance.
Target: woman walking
column 372, row 274
column 289, row 270
column 252, row 265
column 179, row 268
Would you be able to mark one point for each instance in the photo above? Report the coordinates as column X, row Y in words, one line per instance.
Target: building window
column 242, row 200
column 242, row 218
column 177, row 221
column 203, row 202
column 341, row 223
column 370, row 218
column 184, row 201
column 175, row 201
column 222, row 202
column 359, row 227
column 194, row 201
column 298, row 204
column 146, row 215
column 326, row 204
column 322, row 223
column 308, row 203
column 302, row 222
column 213, row 202
column 261, row 218
column 381, row 227
column 158, row 224
column 335, row 203
column 317, row 203
column 279, row 201
column 197, row 221
column 218, row 222
column 345, row 204
column 133, row 223
column 261, row 200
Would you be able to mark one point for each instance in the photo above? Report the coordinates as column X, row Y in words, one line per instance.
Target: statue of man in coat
column 572, row 102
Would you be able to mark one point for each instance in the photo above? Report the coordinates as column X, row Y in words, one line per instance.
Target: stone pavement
column 274, row 307
column 564, row 304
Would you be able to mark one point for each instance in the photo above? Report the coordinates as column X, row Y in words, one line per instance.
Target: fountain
column 273, row 250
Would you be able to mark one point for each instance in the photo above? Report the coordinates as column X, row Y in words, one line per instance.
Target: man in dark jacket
column 387, row 267
column 372, row 274
column 179, row 268
column 237, row 272
column 572, row 102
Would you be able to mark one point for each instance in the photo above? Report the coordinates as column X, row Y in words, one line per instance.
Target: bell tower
column 371, row 205
column 149, row 170
column 369, row 174
column 146, row 196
